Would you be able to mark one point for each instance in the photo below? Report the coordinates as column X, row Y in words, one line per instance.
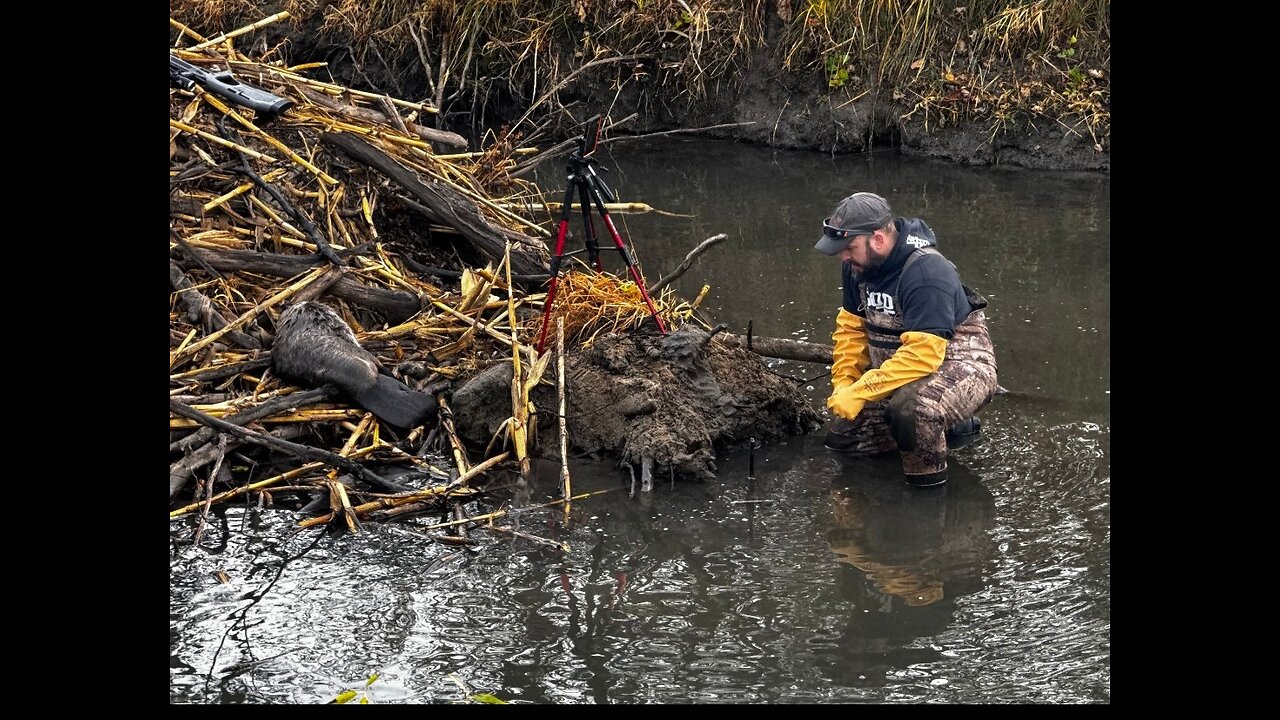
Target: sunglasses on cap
column 842, row 233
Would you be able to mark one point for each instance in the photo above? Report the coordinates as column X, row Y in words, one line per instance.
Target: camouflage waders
column 915, row 418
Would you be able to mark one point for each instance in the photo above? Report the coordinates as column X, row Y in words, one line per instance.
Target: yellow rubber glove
column 849, row 356
column 844, row 404
column 921, row 354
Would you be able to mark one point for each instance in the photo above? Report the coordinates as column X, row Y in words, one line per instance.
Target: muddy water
column 796, row 575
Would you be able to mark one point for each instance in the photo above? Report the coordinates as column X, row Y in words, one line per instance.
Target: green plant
column 1070, row 51
column 837, row 70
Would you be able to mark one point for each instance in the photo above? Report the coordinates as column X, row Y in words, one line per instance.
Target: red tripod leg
column 631, row 266
column 546, row 314
column 555, row 278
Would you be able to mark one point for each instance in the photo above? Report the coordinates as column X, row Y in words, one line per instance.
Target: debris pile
column 345, row 280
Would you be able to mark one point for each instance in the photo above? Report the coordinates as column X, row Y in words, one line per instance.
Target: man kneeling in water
column 913, row 360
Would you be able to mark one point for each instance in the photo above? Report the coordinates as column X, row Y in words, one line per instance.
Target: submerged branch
column 782, row 348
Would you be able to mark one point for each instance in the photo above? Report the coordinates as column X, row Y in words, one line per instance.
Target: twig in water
column 565, row 486
column 688, row 261
column 542, row 541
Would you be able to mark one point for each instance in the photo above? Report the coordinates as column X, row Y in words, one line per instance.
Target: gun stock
column 226, row 86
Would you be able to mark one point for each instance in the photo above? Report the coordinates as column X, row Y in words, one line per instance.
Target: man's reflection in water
column 908, row 553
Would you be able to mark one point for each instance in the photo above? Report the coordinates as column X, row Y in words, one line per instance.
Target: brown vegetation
column 944, row 62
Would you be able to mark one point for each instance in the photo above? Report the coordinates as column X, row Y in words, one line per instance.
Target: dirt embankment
column 769, row 111
column 769, row 105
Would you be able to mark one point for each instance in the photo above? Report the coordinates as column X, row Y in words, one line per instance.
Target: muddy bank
column 799, row 111
column 662, row 405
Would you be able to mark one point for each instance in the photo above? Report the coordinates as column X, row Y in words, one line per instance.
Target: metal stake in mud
column 591, row 189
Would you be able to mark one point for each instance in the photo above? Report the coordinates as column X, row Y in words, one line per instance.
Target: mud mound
column 664, row 405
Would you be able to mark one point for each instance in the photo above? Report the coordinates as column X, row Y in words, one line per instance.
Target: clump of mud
column 664, row 405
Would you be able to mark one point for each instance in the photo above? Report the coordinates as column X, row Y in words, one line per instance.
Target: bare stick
column 246, row 29
column 269, row 482
column 370, row 115
column 459, row 452
column 564, row 433
column 181, row 471
column 499, row 513
column 208, row 499
column 308, row 225
column 186, row 30
column 413, row 496
column 305, row 452
column 338, row 499
column 321, row 286
column 389, row 109
column 541, row 541
column 687, row 262
column 470, row 321
column 217, row 372
column 561, row 148
column 677, row 131
column 225, row 143
column 569, row 78
column 782, row 348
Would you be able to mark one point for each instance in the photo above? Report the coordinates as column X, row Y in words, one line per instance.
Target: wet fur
column 314, row 346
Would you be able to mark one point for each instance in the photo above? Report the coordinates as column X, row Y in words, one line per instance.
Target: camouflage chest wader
column 915, row 418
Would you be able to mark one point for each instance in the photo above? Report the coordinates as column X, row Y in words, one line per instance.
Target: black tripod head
column 591, row 138
column 583, row 166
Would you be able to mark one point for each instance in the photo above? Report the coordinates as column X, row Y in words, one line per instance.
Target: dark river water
column 819, row 579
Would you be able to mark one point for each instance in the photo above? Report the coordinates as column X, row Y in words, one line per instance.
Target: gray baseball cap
column 859, row 214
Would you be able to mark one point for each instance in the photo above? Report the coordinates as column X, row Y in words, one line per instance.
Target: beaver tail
column 315, row 346
column 396, row 403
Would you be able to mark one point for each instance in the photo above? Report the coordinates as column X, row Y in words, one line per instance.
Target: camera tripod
column 590, row 188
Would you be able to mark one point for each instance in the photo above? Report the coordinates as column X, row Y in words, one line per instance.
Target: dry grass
column 593, row 304
column 1000, row 60
column 948, row 60
column 461, row 47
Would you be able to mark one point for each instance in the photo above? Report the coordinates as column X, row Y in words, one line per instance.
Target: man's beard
column 873, row 263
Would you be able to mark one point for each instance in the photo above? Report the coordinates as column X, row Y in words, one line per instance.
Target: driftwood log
column 397, row 305
column 447, row 206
